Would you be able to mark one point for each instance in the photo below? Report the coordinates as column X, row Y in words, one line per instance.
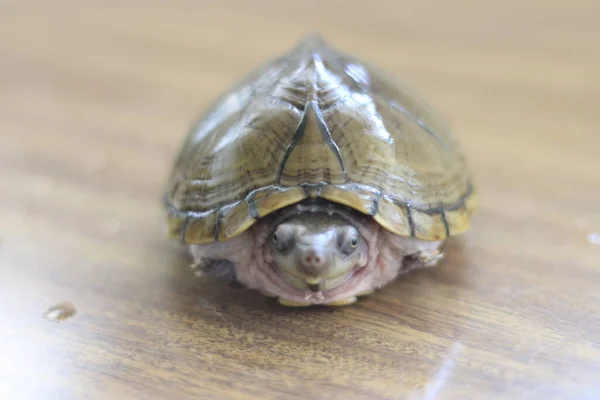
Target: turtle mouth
column 314, row 285
column 310, row 286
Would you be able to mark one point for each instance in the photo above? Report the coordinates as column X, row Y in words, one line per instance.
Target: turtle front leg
column 429, row 257
column 219, row 259
column 411, row 253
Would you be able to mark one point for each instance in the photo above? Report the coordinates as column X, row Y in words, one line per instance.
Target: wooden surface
column 95, row 99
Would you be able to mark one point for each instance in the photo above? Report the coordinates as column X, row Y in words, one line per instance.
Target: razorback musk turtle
column 319, row 179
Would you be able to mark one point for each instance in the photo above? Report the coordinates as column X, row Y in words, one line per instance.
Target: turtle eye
column 348, row 241
column 283, row 238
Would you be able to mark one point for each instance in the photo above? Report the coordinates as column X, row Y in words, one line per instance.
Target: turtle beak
column 319, row 283
column 315, row 285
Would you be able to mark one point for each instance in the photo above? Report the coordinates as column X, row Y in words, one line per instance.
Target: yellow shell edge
column 393, row 217
column 428, row 226
column 358, row 200
column 235, row 220
column 268, row 202
column 396, row 218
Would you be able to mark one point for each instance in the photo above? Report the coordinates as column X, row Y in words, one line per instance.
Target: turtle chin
column 314, row 284
column 300, row 291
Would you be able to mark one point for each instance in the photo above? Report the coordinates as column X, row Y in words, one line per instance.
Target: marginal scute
column 235, row 219
column 360, row 198
column 428, row 226
column 268, row 201
column 200, row 228
column 472, row 202
column 458, row 220
column 393, row 217
column 175, row 224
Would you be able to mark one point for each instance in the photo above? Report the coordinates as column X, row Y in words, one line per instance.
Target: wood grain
column 95, row 99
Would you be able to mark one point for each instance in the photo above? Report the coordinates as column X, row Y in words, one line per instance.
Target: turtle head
column 317, row 252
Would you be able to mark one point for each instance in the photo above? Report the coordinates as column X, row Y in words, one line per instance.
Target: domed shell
column 317, row 123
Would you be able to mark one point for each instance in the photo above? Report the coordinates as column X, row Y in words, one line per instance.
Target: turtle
column 318, row 179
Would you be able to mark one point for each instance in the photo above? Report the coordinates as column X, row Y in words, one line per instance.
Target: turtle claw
column 430, row 258
column 422, row 259
column 197, row 268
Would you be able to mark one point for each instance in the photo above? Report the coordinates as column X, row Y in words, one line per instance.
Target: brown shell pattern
column 317, row 123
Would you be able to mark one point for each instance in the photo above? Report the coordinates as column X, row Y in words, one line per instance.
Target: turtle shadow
column 432, row 297
column 456, row 268
column 213, row 301
column 215, row 297
column 455, row 272
column 240, row 322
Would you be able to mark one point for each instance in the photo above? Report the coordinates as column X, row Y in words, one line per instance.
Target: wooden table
column 95, row 100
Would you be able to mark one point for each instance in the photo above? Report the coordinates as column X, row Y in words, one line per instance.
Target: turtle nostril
column 313, row 260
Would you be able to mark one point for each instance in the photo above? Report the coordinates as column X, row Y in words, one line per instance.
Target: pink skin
column 255, row 268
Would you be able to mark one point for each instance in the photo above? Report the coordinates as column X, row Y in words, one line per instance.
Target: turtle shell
column 318, row 123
